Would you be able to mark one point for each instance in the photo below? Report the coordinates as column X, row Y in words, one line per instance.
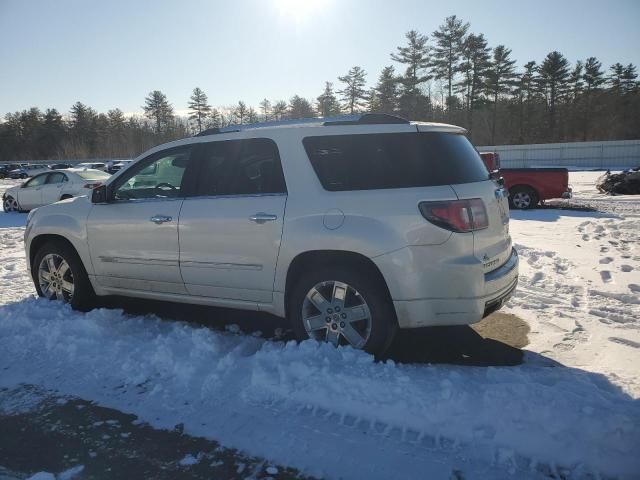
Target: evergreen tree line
column 453, row 76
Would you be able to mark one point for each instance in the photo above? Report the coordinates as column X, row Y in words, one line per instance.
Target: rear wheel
column 522, row 198
column 10, row 204
column 343, row 307
column 58, row 274
column 65, row 196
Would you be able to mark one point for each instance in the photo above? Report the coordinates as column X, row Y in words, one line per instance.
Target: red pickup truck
column 529, row 186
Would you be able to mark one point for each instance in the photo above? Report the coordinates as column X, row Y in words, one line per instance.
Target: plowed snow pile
column 572, row 409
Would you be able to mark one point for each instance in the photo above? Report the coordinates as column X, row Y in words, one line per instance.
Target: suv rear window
column 394, row 160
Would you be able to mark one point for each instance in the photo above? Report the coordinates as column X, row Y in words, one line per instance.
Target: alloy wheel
column 10, row 204
column 521, row 200
column 335, row 312
column 55, row 278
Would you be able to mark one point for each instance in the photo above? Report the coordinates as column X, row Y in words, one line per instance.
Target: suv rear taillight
column 456, row 215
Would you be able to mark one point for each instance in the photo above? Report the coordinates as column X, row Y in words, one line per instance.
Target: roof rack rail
column 367, row 119
column 215, row 131
column 358, row 119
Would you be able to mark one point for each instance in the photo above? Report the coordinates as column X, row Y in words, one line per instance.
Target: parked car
column 119, row 166
column 60, row 166
column 6, row 168
column 529, row 187
column 50, row 187
column 92, row 165
column 26, row 171
column 388, row 224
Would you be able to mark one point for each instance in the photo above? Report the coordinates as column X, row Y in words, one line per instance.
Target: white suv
column 350, row 227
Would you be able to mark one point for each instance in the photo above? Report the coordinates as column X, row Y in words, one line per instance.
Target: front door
column 30, row 194
column 133, row 238
column 230, row 231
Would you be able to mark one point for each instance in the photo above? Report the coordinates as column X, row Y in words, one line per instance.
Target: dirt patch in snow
column 60, row 434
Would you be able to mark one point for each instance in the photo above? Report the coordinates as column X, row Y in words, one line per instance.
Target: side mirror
column 100, row 194
column 495, row 175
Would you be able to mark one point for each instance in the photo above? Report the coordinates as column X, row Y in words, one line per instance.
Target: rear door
column 52, row 188
column 230, row 232
column 457, row 163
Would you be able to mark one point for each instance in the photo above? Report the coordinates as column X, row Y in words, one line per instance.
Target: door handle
column 262, row 217
column 158, row 219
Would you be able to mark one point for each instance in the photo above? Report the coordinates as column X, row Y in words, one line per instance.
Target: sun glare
column 299, row 10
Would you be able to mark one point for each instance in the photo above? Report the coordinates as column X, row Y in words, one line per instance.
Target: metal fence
column 576, row 156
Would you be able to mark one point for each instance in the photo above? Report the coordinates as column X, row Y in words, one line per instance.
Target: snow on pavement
column 335, row 412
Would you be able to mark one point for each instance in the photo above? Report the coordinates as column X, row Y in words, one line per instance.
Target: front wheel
column 10, row 204
column 58, row 274
column 343, row 307
column 522, row 198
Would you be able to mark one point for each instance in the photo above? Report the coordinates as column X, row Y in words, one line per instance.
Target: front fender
column 66, row 219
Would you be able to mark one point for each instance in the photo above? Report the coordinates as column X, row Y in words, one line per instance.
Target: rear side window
column 241, row 167
column 393, row 160
column 56, row 178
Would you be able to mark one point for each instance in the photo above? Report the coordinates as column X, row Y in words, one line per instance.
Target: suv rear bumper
column 468, row 295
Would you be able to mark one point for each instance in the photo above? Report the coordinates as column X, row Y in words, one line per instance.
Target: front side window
column 393, row 160
column 36, row 181
column 241, row 167
column 159, row 176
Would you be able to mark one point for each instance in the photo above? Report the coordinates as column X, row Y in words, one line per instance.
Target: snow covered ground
column 572, row 410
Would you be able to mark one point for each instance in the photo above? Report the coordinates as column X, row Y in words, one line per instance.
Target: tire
column 522, row 198
column 10, row 205
column 365, row 298
column 65, row 196
column 23, row 175
column 81, row 297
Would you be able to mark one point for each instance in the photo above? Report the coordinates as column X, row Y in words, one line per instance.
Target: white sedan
column 51, row 186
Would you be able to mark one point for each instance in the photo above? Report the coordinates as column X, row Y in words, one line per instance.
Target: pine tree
column 500, row 80
column 279, row 110
column 576, row 80
column 629, row 82
column 216, row 119
column 552, row 81
column 384, row 96
column 448, row 50
column 416, row 57
column 615, row 77
column 476, row 57
column 327, row 102
column 252, row 115
column 593, row 78
column 525, row 91
column 354, row 93
column 240, row 113
column 83, row 134
column 265, row 108
column 158, row 109
column 199, row 109
column 300, row 108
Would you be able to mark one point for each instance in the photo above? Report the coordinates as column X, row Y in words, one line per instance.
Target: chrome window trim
column 240, row 195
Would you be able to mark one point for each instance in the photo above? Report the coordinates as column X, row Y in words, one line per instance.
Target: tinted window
column 56, row 178
column 159, row 176
column 393, row 160
column 36, row 181
column 241, row 167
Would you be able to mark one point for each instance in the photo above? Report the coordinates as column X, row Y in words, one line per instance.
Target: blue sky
column 112, row 53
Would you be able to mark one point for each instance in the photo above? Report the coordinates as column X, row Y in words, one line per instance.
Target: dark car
column 60, row 166
column 6, row 168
